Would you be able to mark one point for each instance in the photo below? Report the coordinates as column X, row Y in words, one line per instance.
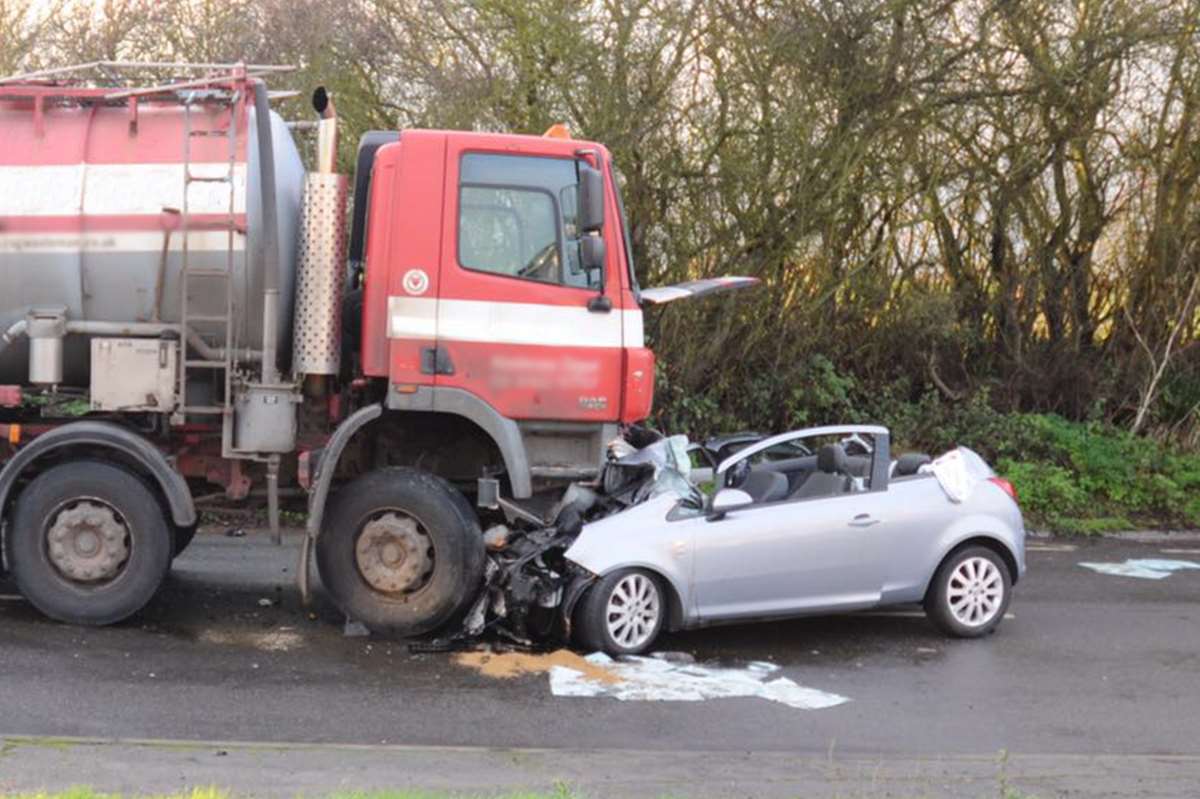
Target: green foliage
column 1088, row 477
column 1072, row 477
column 1046, row 491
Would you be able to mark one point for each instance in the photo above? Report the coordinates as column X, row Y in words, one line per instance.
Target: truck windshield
column 518, row 218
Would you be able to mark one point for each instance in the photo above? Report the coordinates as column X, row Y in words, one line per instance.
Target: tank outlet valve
column 46, row 328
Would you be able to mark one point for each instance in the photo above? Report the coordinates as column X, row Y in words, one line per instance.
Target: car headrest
column 831, row 459
column 910, row 463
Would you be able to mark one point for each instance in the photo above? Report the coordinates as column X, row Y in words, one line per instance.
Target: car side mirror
column 728, row 499
column 591, row 199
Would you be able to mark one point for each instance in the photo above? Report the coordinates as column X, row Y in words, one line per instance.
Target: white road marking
column 1180, row 551
column 11, row 598
column 1051, row 548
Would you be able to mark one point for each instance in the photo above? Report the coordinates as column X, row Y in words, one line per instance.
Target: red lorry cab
column 499, row 304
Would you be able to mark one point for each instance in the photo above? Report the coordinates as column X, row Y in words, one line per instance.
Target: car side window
column 831, row 466
column 517, row 217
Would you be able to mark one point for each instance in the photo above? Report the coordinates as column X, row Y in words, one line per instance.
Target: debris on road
column 1143, row 568
column 665, row 677
column 283, row 639
column 355, row 629
column 655, row 679
column 507, row 665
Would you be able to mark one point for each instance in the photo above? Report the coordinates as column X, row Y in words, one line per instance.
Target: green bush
column 1045, row 490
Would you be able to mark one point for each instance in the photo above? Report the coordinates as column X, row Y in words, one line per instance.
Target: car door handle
column 863, row 520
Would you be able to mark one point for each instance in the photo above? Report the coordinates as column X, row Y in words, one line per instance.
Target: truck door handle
column 436, row 361
column 863, row 520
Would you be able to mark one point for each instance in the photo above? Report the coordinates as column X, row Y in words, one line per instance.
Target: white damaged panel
column 653, row 679
column 1143, row 568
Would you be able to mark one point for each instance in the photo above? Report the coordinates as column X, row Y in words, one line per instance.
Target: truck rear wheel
column 89, row 543
column 401, row 551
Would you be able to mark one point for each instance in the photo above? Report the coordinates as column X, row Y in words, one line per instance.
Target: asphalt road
column 1090, row 669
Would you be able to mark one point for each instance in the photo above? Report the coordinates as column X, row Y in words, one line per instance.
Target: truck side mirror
column 592, row 253
column 591, row 199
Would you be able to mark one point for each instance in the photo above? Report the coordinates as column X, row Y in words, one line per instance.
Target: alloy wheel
column 633, row 610
column 975, row 592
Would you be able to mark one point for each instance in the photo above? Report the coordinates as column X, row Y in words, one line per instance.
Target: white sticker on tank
column 118, row 189
column 118, row 241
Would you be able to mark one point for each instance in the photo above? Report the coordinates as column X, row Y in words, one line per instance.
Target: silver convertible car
column 813, row 521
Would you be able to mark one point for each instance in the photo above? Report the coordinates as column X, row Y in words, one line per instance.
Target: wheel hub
column 87, row 542
column 975, row 592
column 632, row 613
column 394, row 554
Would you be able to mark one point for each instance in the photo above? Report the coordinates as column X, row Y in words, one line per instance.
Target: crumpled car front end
column 636, row 537
column 540, row 564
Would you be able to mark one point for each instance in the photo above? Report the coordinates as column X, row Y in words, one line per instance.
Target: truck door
column 517, row 321
column 403, row 253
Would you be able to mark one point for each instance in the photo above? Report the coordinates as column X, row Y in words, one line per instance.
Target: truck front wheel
column 89, row 543
column 401, row 551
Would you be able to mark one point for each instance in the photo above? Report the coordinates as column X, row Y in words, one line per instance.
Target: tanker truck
column 185, row 310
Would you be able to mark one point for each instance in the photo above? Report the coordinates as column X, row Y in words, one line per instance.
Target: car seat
column 765, row 486
column 830, row 478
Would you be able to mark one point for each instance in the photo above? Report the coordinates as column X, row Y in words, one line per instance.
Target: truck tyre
column 400, row 551
column 89, row 543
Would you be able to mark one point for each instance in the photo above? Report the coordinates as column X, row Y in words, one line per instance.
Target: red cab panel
column 403, row 253
column 639, row 384
column 476, row 279
column 514, row 323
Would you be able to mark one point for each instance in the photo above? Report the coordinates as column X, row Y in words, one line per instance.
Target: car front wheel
column 623, row 613
column 970, row 593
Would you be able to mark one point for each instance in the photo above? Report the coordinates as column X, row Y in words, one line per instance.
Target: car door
column 791, row 557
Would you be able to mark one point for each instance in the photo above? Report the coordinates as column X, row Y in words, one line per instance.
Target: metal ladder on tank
column 189, row 273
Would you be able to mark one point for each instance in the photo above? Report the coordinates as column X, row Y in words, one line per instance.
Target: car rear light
column 1005, row 486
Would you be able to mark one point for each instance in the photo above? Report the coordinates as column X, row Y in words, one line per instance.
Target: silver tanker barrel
column 123, row 212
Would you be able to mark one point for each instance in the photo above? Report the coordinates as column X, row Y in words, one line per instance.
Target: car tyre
column 970, row 593
column 89, row 544
column 622, row 614
column 400, row 551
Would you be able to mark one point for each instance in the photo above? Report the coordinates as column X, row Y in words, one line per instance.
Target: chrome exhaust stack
column 322, row 260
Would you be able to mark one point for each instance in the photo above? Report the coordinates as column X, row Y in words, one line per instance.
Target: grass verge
column 217, row 793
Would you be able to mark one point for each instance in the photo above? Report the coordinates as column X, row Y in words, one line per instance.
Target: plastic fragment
column 658, row 679
column 1142, row 568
